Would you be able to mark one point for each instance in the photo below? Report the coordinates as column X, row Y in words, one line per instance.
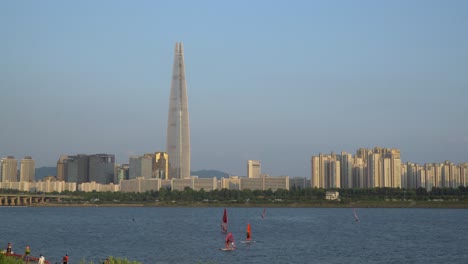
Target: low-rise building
column 332, row 195
column 264, row 183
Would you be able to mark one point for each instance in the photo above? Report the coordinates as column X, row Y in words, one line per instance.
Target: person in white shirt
column 41, row 260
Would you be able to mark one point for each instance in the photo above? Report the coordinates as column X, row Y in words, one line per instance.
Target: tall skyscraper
column 27, row 169
column 178, row 131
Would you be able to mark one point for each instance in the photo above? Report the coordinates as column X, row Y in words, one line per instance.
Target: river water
column 285, row 235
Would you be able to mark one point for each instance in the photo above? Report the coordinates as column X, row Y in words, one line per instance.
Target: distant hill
column 209, row 174
column 45, row 171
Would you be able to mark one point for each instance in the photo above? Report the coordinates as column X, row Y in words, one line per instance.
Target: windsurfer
column 355, row 215
column 229, row 241
column 224, row 223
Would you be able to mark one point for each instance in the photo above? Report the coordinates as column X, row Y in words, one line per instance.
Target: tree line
column 294, row 195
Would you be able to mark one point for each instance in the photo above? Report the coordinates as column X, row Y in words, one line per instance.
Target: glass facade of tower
column 101, row 168
column 77, row 168
column 140, row 166
column 178, row 131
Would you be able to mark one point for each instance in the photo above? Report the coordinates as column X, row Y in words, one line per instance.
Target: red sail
column 225, row 220
column 224, row 224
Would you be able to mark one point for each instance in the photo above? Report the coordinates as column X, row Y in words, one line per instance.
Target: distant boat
column 224, row 223
column 355, row 215
column 248, row 238
column 264, row 213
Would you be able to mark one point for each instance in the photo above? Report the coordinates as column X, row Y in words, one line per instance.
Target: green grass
column 9, row 260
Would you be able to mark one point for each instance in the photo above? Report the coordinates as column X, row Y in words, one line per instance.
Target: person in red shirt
column 65, row 259
column 8, row 248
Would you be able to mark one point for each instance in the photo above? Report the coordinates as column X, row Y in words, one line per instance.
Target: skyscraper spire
column 178, row 130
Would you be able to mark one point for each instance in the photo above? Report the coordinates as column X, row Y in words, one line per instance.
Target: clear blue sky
column 277, row 81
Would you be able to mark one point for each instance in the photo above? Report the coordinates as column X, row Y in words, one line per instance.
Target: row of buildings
column 368, row 168
column 99, row 172
column 81, row 168
column 140, row 184
column 382, row 167
column 102, row 169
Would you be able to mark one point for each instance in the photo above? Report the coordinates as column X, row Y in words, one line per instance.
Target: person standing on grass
column 65, row 259
column 8, row 250
column 27, row 253
column 41, row 259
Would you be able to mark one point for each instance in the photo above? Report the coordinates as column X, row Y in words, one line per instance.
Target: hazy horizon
column 274, row 81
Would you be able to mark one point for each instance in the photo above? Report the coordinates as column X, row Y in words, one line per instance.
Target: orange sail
column 249, row 234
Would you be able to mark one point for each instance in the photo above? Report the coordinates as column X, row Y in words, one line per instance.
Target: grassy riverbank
column 296, row 197
column 321, row 204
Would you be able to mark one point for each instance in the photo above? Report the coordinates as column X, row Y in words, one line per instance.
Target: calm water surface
column 285, row 235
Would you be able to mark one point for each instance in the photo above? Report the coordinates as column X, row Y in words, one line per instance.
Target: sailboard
column 227, row 249
column 224, row 223
column 248, row 238
column 264, row 213
column 356, row 218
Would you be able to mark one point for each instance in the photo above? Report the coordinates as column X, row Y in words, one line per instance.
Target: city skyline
column 269, row 81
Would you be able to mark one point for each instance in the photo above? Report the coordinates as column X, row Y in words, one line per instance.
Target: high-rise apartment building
column 316, row 179
column 346, row 170
column 178, row 131
column 9, row 169
column 27, row 169
column 464, row 174
column 410, row 178
column 374, row 170
column 359, row 173
column 101, row 168
column 326, row 171
column 254, row 169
